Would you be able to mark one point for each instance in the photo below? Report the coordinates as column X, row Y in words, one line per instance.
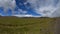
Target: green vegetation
column 14, row 25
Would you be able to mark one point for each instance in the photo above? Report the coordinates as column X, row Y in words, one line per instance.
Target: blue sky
column 22, row 7
column 49, row 8
column 9, row 12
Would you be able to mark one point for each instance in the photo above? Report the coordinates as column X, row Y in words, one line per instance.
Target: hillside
column 15, row 25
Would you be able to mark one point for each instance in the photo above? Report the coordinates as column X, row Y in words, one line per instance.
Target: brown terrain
column 57, row 26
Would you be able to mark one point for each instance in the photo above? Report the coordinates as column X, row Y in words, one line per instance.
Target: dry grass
column 13, row 25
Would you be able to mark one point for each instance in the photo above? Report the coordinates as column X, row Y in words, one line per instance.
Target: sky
column 30, row 8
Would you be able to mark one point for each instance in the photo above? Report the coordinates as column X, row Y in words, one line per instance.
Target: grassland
column 14, row 25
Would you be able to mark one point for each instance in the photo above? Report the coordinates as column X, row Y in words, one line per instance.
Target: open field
column 14, row 25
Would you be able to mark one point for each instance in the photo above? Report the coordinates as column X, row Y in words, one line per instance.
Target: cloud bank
column 49, row 8
column 7, row 4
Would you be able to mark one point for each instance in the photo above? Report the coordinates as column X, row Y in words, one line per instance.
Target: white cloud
column 6, row 4
column 10, row 4
column 56, row 13
column 22, row 11
column 46, row 11
column 27, row 15
column 49, row 8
